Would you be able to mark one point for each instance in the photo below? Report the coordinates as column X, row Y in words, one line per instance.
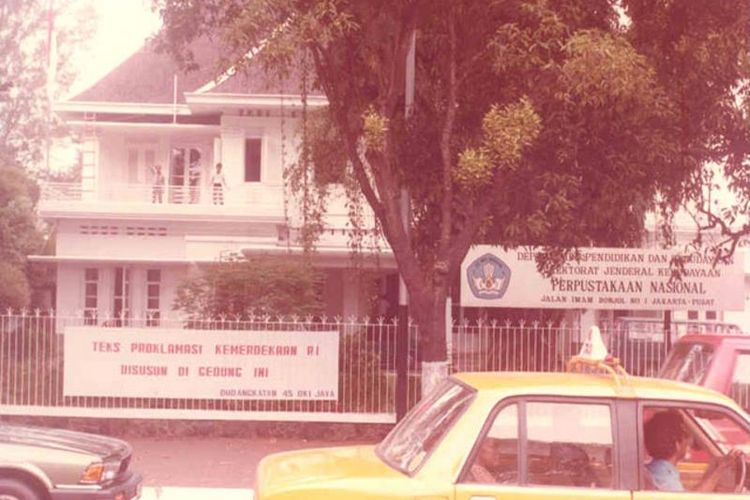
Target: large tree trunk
column 427, row 308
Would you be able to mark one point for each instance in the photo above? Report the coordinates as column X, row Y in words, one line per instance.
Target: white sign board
column 603, row 278
column 172, row 363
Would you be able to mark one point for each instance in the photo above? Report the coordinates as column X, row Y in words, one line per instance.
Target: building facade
column 151, row 207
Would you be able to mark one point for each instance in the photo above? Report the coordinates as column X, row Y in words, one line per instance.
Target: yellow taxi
column 526, row 436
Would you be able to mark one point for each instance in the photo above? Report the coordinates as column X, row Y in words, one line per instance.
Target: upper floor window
column 252, row 160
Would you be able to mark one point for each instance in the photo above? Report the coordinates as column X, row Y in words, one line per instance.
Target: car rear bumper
column 126, row 490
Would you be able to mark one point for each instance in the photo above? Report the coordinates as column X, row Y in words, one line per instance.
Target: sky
column 121, row 28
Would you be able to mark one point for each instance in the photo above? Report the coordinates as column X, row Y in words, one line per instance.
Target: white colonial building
column 125, row 238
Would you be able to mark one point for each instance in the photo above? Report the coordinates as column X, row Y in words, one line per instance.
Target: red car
column 719, row 362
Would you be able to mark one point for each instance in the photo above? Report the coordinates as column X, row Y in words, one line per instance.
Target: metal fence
column 32, row 364
column 546, row 347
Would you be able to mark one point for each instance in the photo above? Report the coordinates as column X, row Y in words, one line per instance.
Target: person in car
column 668, row 440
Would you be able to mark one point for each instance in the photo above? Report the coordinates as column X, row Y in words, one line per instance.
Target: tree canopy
column 19, row 235
column 534, row 122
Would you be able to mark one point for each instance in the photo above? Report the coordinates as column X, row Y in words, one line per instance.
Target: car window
column 569, row 444
column 495, row 460
column 688, row 363
column 683, row 445
column 740, row 388
column 409, row 443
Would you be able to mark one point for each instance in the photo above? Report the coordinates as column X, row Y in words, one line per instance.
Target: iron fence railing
column 33, row 362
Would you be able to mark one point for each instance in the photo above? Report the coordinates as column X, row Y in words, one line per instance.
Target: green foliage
column 374, row 130
column 506, row 133
column 19, row 235
column 327, row 150
column 701, row 55
column 15, row 292
column 264, row 285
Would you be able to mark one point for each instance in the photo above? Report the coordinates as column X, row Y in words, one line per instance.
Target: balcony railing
column 141, row 193
column 179, row 201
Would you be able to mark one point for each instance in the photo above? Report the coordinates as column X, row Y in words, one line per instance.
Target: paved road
column 198, row 467
column 169, row 493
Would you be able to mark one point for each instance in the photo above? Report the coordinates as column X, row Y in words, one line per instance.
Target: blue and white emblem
column 488, row 277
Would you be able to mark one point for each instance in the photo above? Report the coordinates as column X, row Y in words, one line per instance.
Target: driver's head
column 665, row 435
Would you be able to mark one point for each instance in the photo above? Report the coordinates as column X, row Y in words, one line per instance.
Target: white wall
column 234, row 131
column 71, row 243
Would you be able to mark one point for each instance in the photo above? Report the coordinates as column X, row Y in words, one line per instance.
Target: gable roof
column 148, row 77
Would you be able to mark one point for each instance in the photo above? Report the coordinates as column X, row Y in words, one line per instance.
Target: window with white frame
column 153, row 294
column 121, row 296
column 90, row 295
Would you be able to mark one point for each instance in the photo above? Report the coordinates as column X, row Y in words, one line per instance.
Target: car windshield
column 723, row 429
column 409, row 443
column 688, row 363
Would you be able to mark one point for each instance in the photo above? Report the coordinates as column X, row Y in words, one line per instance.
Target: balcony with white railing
column 63, row 199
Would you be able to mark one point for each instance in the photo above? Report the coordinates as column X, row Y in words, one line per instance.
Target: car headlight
column 100, row 472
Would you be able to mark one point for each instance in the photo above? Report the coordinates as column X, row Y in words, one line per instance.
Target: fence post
column 402, row 367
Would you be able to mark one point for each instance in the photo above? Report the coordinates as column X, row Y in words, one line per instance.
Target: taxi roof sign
column 593, row 357
column 593, row 347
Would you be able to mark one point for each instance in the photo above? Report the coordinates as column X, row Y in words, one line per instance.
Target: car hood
column 312, row 468
column 59, row 439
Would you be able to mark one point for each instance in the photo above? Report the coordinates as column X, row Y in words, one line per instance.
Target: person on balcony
column 218, row 185
column 157, row 192
column 194, row 178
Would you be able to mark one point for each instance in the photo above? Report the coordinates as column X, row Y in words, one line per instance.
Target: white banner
column 603, row 278
column 173, row 363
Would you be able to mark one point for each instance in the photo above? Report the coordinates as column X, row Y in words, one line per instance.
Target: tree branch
column 397, row 64
column 463, row 240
